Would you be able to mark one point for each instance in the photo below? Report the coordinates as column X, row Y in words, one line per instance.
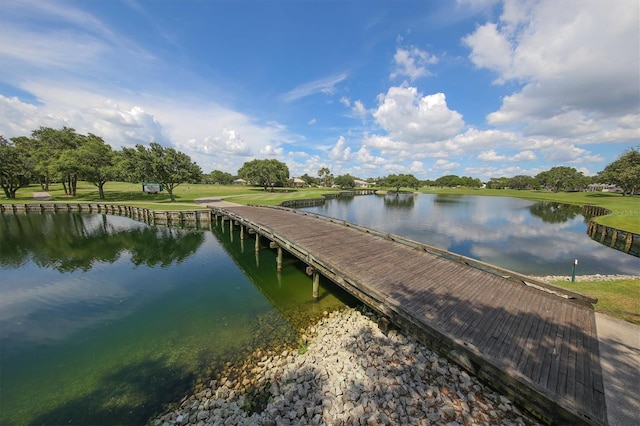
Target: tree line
column 64, row 156
column 623, row 173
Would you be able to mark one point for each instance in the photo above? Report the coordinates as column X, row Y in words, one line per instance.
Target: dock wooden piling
column 618, row 239
column 276, row 246
column 196, row 218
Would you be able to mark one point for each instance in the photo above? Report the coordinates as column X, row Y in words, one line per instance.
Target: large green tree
column 45, row 147
column 402, row 180
column 498, row 183
column 448, row 181
column 68, row 169
column 561, row 178
column 15, row 167
column 624, row 172
column 345, row 181
column 310, row 180
column 522, row 182
column 219, row 177
column 470, row 182
column 266, row 173
column 165, row 166
column 97, row 162
column 324, row 173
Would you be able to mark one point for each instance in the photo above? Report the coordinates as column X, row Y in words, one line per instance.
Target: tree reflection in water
column 522, row 235
column 551, row 212
column 74, row 241
column 399, row 200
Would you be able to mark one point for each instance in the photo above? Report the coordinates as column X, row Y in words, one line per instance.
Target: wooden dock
column 531, row 340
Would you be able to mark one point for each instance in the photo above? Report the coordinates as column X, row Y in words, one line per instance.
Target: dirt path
column 215, row 202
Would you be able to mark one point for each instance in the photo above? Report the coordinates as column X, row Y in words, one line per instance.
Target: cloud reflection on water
column 65, row 272
column 525, row 236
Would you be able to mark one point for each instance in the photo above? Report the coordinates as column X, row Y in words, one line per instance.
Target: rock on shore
column 346, row 371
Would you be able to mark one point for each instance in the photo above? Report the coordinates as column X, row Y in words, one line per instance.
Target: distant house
column 361, row 183
column 297, row 183
column 604, row 187
column 239, row 182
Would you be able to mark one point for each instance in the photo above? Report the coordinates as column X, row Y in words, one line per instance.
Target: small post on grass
column 573, row 273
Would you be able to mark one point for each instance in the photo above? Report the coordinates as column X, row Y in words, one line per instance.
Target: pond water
column 532, row 238
column 104, row 319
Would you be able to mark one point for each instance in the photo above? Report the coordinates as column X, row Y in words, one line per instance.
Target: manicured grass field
column 625, row 216
column 618, row 298
column 131, row 193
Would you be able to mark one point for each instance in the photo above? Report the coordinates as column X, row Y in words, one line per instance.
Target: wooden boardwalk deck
column 539, row 347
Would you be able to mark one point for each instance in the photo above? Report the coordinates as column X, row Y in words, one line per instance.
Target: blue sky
column 480, row 88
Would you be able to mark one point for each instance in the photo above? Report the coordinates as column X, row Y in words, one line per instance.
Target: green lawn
column 619, row 298
column 625, row 216
column 131, row 193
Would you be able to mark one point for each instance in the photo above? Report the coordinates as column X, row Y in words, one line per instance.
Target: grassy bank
column 617, row 298
column 131, row 193
column 625, row 210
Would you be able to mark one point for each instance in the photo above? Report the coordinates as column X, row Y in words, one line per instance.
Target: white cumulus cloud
column 442, row 165
column 577, row 67
column 526, row 155
column 411, row 63
column 409, row 116
column 491, row 155
column 340, row 152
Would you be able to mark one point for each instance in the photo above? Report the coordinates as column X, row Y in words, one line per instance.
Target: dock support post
column 628, row 242
column 316, row 284
column 257, row 242
column 315, row 279
column 279, row 256
column 241, row 232
column 279, row 259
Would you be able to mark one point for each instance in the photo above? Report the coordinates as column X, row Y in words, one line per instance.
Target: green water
column 104, row 320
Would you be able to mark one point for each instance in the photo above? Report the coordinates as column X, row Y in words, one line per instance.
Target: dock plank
column 496, row 332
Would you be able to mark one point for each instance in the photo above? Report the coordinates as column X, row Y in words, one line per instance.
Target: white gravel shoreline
column 589, row 278
column 349, row 373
